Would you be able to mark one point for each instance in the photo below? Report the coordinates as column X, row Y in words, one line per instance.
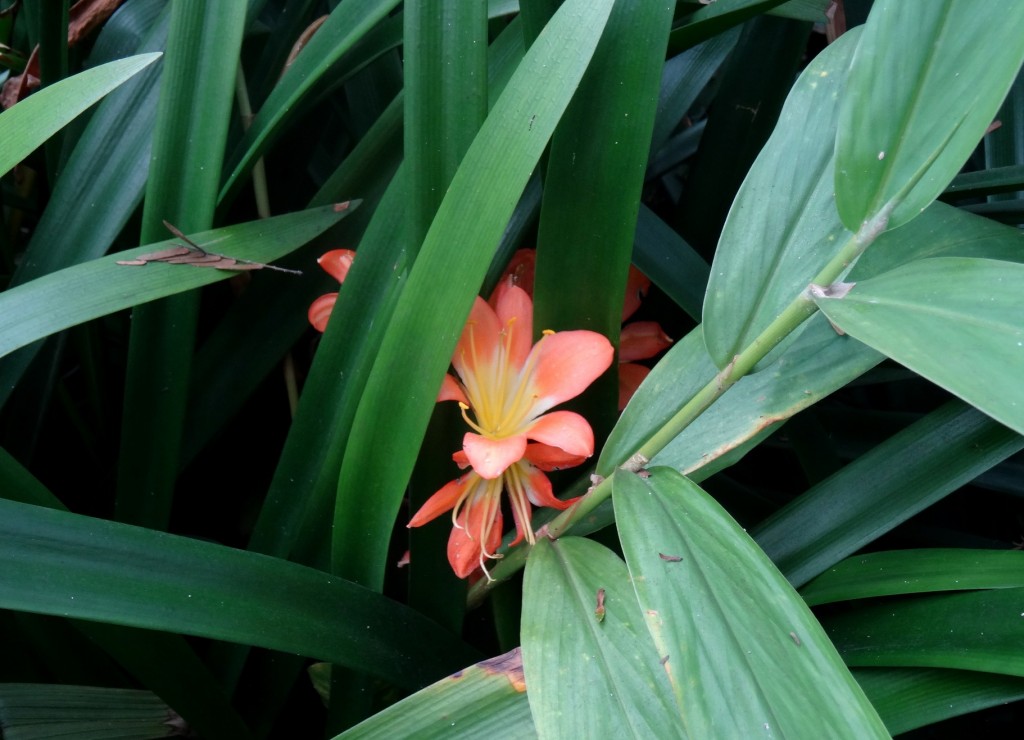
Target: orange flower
column 510, row 384
column 640, row 340
column 337, row 263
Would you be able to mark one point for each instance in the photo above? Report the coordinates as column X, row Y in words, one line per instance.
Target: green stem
column 795, row 314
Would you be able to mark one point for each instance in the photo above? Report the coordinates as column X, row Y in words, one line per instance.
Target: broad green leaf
column 484, row 700
column 715, row 18
column 882, row 488
column 76, row 294
column 590, row 673
column 976, row 630
column 782, row 228
column 83, row 712
column 1006, row 179
column 908, row 698
column 75, row 566
column 31, row 122
column 916, row 105
column 957, row 321
column 915, row 571
column 427, row 321
column 742, row 651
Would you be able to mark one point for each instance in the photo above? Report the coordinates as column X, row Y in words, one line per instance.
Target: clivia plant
column 216, row 519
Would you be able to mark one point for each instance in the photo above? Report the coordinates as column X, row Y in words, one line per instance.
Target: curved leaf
column 915, row 571
column 783, row 227
column 591, row 668
column 31, row 122
column 916, row 105
column 743, row 653
column 957, row 321
column 75, row 566
column 76, row 294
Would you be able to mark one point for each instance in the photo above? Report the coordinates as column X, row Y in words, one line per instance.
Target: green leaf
column 1006, row 179
column 84, row 712
column 957, row 321
column 592, row 185
column 915, row 571
column 882, row 488
column 484, row 700
column 908, row 698
column 743, row 653
column 782, row 228
column 916, row 105
column 75, row 566
column 76, row 294
column 978, row 631
column 427, row 321
column 31, row 122
column 590, row 675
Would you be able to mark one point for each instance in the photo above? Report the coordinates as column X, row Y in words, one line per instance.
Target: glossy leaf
column 484, row 700
column 957, row 321
column 915, row 571
column 742, row 651
column 783, row 227
column 908, row 472
column 591, row 668
column 916, row 106
column 100, row 287
column 31, row 122
column 427, row 322
column 908, row 698
column 84, row 712
column 74, row 566
column 977, row 630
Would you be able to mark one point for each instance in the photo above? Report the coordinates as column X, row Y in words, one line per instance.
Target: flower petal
column 519, row 272
column 444, row 500
column 515, row 313
column 478, row 533
column 641, row 340
column 566, row 363
column 564, row 429
column 451, row 390
column 337, row 263
column 637, row 285
column 538, row 489
column 550, row 458
column 630, row 378
column 320, row 311
column 491, row 457
column 479, row 343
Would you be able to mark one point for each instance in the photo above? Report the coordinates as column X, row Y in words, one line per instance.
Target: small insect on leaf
column 191, row 253
column 669, row 558
column 599, row 611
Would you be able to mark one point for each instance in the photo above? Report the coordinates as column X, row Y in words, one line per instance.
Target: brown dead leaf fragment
column 669, row 558
column 87, row 15
column 192, row 254
column 509, row 665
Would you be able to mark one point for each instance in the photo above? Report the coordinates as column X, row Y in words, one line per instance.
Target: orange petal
column 641, row 340
column 630, row 378
column 451, row 390
column 637, row 285
column 538, row 489
column 491, row 457
column 479, row 532
column 521, row 269
column 442, row 501
column 515, row 312
column 337, row 263
column 479, row 342
column 320, row 311
column 567, row 362
column 564, row 429
column 551, row 458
